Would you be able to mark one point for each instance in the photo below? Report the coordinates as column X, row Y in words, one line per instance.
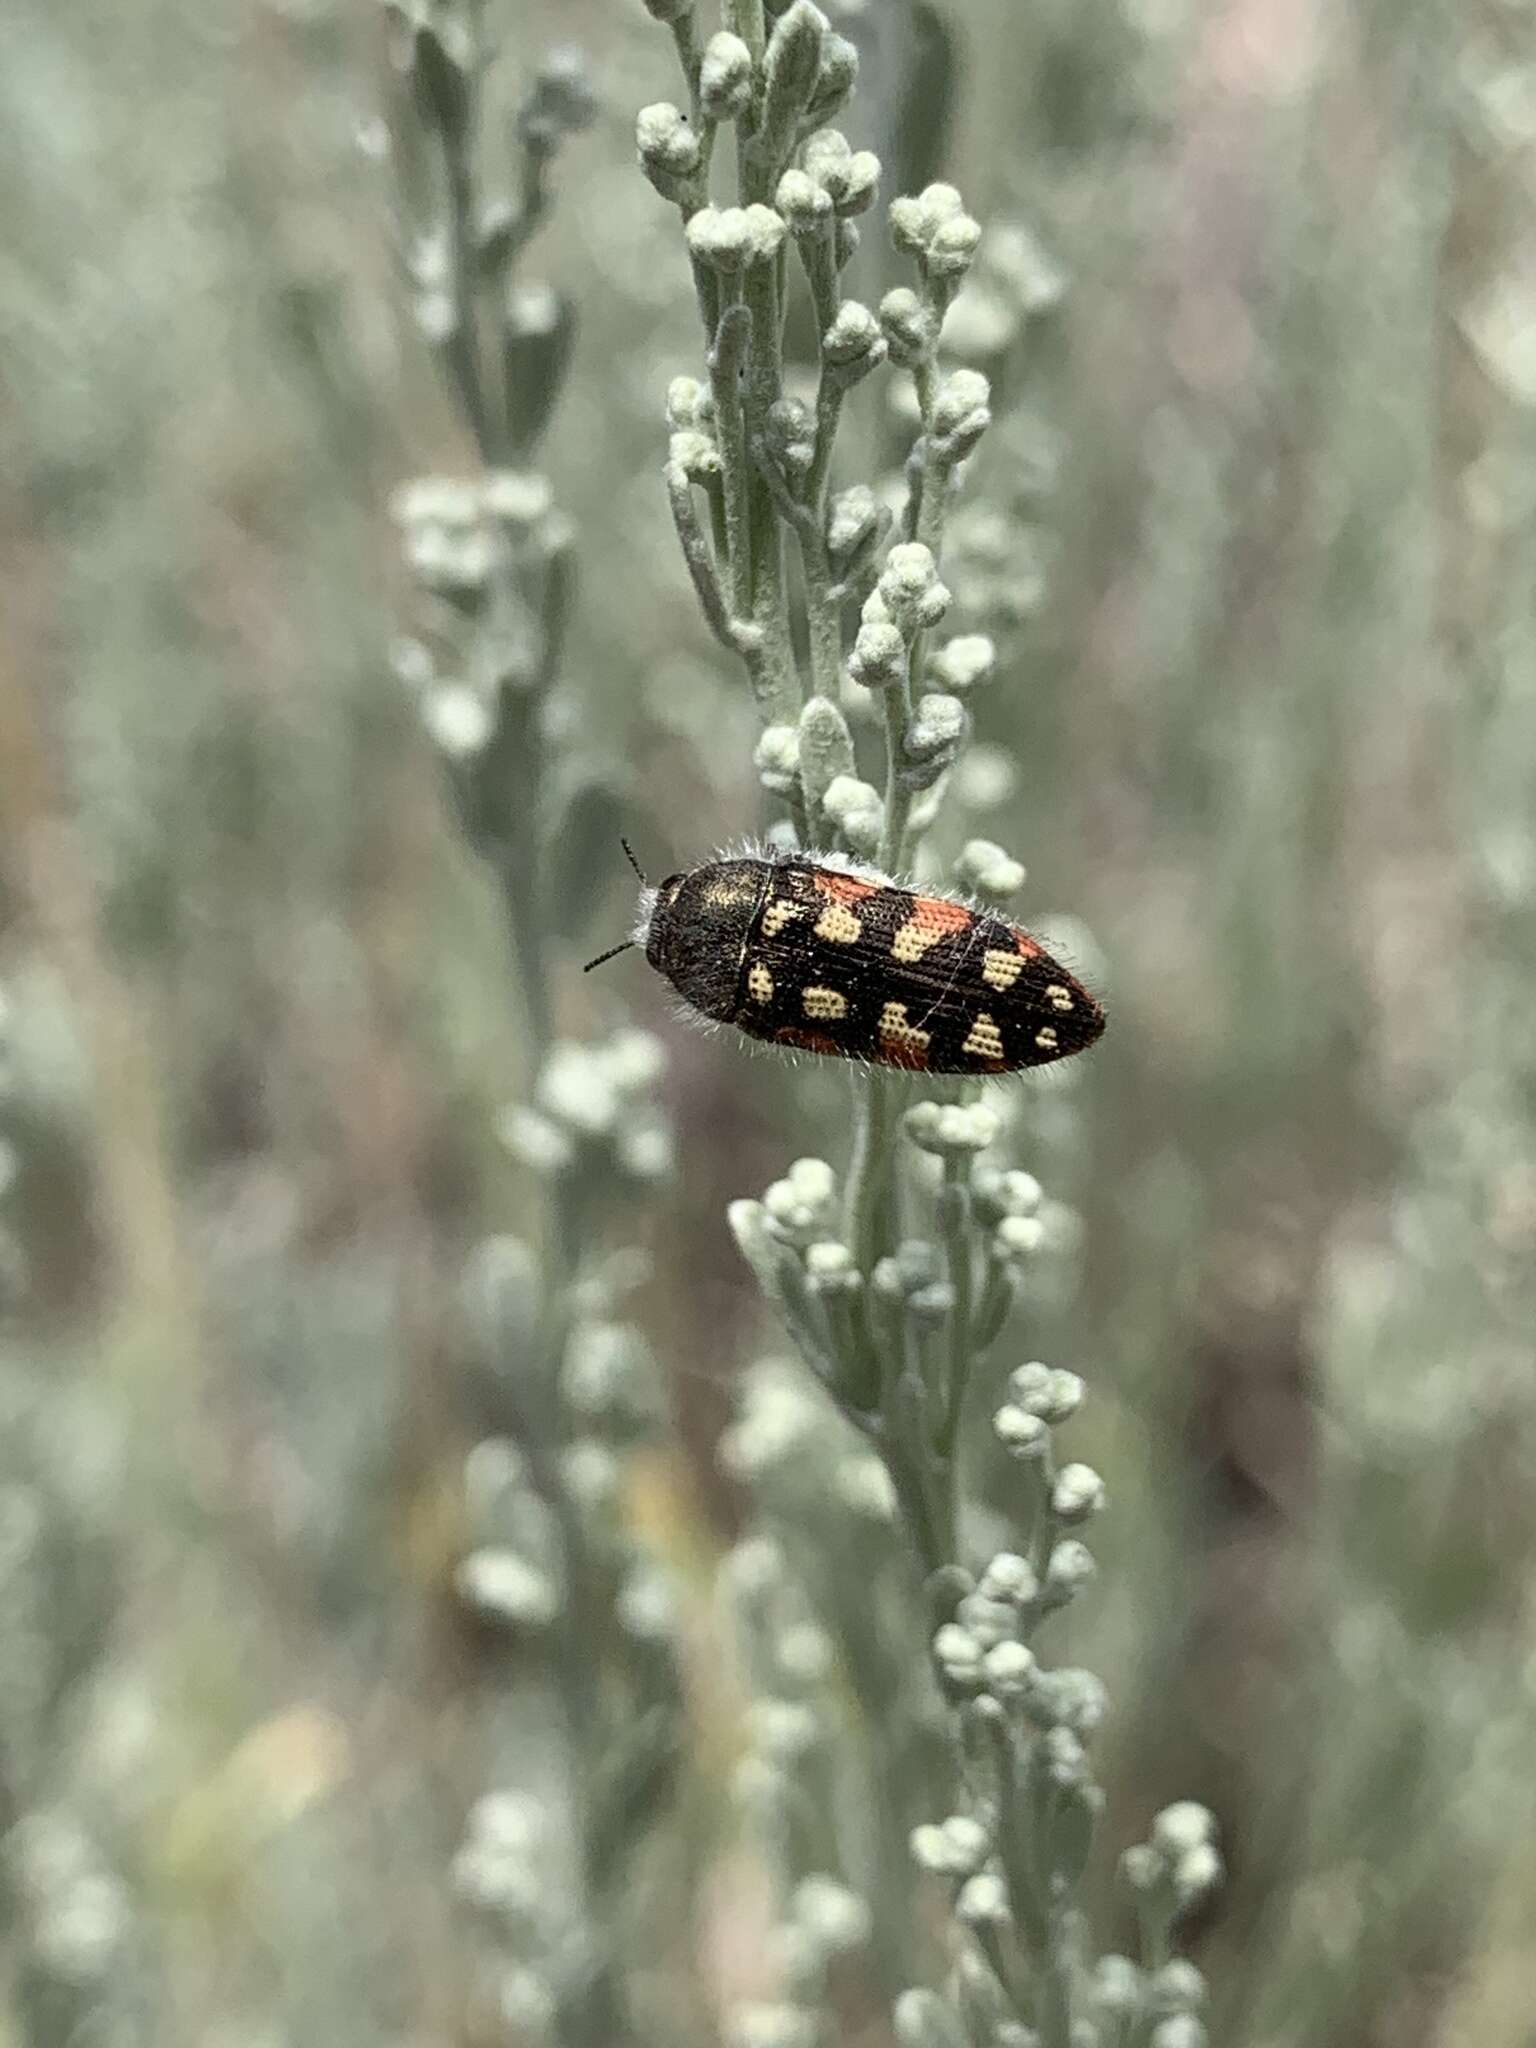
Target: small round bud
column 958, row 1654
column 696, row 455
column 725, row 77
column 1007, row 1669
column 1197, row 1872
column 982, row 1901
column 879, row 657
column 961, row 415
column 805, row 205
column 777, row 758
column 1142, row 1867
column 830, row 1269
column 951, row 1129
column 959, row 1845
column 853, row 345
column 1183, row 1826
column 910, row 587
column 1001, row 1192
column 836, row 1918
column 1070, row 1570
column 836, row 76
column 1177, row 1987
column 668, row 148
column 856, row 809
column 952, row 248
column 791, row 436
column 691, row 405
column 729, row 238
column 910, row 328
column 851, row 518
column 915, row 220
column 1017, row 1236
column 923, row 2020
column 962, row 663
column 990, row 1620
column 1117, row 1987
column 932, row 740
column 1046, row 1391
column 988, row 871
column 1009, row 1577
column 1078, row 1494
column 1180, row 2030
column 1021, row 1434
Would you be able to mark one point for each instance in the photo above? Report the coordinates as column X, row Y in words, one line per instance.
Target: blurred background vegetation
column 1262, row 538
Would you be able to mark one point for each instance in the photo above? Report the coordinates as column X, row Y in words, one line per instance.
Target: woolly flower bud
column 691, row 405
column 851, row 518
column 797, row 1205
column 988, row 871
column 952, row 248
column 1071, row 1568
column 958, row 1654
column 961, row 415
column 1009, row 1577
column 836, row 77
column 850, row 177
column 960, row 664
column 835, row 1917
column 728, row 238
column 910, row 328
column 857, row 811
column 791, row 435
column 853, row 345
column 668, row 147
column 923, row 2020
column 805, row 205
column 951, row 1128
column 725, row 77
column 505, row 1585
column 990, row 1620
column 1179, row 2030
column 1183, row 1826
column 982, row 1901
column 914, row 221
column 696, row 455
column 1046, row 1391
column 458, row 719
column 1069, row 1699
column 910, row 587
column 958, row 1846
column 791, row 67
column 1001, row 1192
column 1142, row 1867
column 1021, row 1434
column 1117, row 1987
column 1177, row 1987
column 879, row 657
column 934, row 735
column 830, row 1269
column 1007, row 1669
column 1017, row 1236
column 1078, row 1494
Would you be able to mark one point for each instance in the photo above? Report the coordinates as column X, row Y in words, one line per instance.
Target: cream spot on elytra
column 984, row 1041
column 824, row 1004
column 759, row 983
column 1000, row 970
column 838, row 924
column 777, row 915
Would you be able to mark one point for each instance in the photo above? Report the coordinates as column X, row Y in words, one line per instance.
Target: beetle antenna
column 629, row 855
column 611, row 954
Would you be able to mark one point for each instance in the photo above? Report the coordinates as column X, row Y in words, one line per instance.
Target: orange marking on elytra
column 940, row 915
column 843, row 888
column 1026, row 945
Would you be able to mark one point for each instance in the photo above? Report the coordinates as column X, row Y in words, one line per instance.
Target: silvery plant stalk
column 583, row 1724
column 898, row 1274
